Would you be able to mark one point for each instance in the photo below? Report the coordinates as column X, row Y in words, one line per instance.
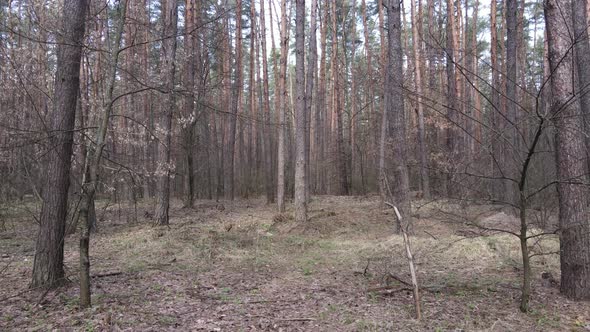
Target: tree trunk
column 300, row 109
column 395, row 112
column 510, row 146
column 452, row 95
column 252, row 170
column 48, row 268
column 341, row 174
column 384, row 78
column 236, row 93
column 311, row 76
column 168, row 69
column 270, row 193
column 321, row 110
column 282, row 108
column 423, row 153
column 570, row 146
column 582, row 59
column 189, row 116
column 92, row 167
column 370, row 92
column 496, row 162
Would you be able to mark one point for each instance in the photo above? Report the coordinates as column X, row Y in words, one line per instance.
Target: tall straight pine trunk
column 300, row 118
column 572, row 190
column 400, row 186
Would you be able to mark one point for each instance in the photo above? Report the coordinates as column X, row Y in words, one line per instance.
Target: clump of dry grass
column 282, row 218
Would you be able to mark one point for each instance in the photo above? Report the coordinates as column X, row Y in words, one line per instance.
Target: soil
column 239, row 266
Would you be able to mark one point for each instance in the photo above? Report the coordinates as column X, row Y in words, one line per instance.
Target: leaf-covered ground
column 237, row 266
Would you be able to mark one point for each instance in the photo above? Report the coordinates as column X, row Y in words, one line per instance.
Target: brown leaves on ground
column 244, row 267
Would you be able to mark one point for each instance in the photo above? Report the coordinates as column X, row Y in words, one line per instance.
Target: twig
column 107, row 274
column 399, row 279
column 410, row 258
column 367, row 267
column 389, row 289
column 43, row 296
column 434, row 237
column 296, row 320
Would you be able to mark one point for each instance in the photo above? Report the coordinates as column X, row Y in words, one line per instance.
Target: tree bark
column 236, row 93
column 570, row 145
column 48, row 268
column 452, row 95
column 497, row 155
column 395, row 112
column 300, row 118
column 282, row 109
column 423, row 153
column 92, row 167
column 168, row 69
column 270, row 193
column 510, row 140
column 311, row 76
column 342, row 173
column 189, row 116
column 582, row 59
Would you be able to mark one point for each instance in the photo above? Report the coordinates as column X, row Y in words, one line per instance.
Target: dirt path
column 240, row 267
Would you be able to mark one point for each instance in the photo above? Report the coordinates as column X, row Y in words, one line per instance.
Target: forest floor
column 238, row 266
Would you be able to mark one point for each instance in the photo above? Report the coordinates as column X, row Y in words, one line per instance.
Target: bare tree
column 91, row 173
column 167, row 71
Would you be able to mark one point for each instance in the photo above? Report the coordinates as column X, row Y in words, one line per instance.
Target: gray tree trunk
column 300, row 123
column 236, row 91
column 49, row 253
column 92, row 167
column 168, row 68
column 282, row 109
column 400, row 187
column 311, row 73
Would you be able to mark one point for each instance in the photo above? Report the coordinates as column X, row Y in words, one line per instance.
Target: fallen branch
column 434, row 237
column 107, row 274
column 393, row 276
column 389, row 289
column 410, row 261
column 296, row 320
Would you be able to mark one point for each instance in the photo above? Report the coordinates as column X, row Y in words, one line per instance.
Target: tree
column 511, row 137
column 424, row 180
column 167, row 71
column 300, row 118
column 570, row 146
column 582, row 52
column 309, row 81
column 342, row 173
column 282, row 108
column 395, row 112
column 497, row 190
column 236, row 95
column 452, row 97
column 90, row 180
column 270, row 193
column 192, row 58
column 49, row 253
